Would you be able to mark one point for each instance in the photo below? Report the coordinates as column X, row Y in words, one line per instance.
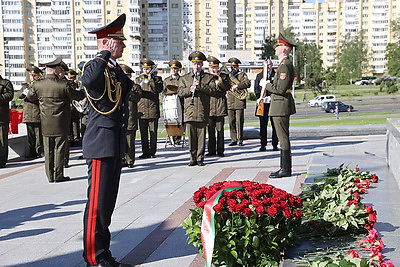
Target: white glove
column 26, row 91
column 267, row 99
column 259, row 100
column 263, row 83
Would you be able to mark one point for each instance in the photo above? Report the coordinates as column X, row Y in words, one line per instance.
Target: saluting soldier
column 134, row 97
column 236, row 105
column 149, row 107
column 6, row 95
column 171, row 84
column 196, row 87
column 107, row 89
column 54, row 94
column 218, row 109
column 282, row 104
column 31, row 116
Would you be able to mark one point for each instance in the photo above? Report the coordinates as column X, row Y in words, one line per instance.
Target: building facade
column 37, row 31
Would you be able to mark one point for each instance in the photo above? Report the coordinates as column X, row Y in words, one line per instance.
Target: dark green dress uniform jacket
column 282, row 102
column 171, row 81
column 134, row 97
column 6, row 95
column 105, row 135
column 31, row 109
column 233, row 102
column 199, row 109
column 218, row 103
column 54, row 97
column 149, row 104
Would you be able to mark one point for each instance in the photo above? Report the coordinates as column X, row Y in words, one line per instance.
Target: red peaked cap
column 112, row 30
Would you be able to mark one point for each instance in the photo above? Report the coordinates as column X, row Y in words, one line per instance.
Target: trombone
column 144, row 77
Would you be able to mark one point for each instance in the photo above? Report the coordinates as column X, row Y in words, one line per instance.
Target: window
column 174, row 6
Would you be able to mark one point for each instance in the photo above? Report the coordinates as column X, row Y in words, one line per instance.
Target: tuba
column 240, row 94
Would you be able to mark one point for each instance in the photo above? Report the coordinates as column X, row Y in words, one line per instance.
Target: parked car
column 362, row 82
column 318, row 100
column 330, row 106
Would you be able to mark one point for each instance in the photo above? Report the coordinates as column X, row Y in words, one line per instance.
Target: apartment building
column 37, row 31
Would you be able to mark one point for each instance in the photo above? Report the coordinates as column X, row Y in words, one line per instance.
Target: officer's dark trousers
column 147, row 126
column 216, row 127
column 264, row 126
column 35, row 139
column 197, row 140
column 103, row 178
column 236, row 124
column 130, row 147
column 3, row 143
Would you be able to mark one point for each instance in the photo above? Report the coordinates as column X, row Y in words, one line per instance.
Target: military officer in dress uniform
column 31, row 116
column 218, row 109
column 54, row 94
column 264, row 98
column 107, row 88
column 282, row 104
column 236, row 106
column 196, row 87
column 149, row 107
column 6, row 95
column 134, row 97
column 171, row 84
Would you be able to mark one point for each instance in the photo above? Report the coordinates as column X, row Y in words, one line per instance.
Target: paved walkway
column 41, row 223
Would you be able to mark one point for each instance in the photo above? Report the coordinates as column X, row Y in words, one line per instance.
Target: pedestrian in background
column 337, row 111
column 31, row 116
column 6, row 95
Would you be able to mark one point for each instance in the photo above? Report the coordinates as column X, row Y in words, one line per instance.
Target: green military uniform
column 171, row 85
column 132, row 127
column 31, row 117
column 237, row 106
column 149, row 110
column 75, row 129
column 54, row 96
column 218, row 110
column 6, row 95
column 197, row 108
column 282, row 106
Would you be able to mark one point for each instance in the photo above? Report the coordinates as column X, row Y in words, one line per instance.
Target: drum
column 172, row 110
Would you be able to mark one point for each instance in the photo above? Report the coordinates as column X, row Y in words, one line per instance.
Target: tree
column 353, row 58
column 393, row 51
column 269, row 47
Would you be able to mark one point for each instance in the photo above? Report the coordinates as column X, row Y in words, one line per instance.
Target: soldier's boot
column 286, row 165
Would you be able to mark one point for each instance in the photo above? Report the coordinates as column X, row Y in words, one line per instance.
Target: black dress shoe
column 192, row 163
column 240, row 144
column 152, row 156
column 64, row 179
column 281, row 173
column 144, row 156
column 110, row 263
column 130, row 165
column 262, row 148
column 210, row 154
column 275, row 148
column 221, row 155
column 81, row 157
column 66, row 165
column 232, row 144
column 200, row 163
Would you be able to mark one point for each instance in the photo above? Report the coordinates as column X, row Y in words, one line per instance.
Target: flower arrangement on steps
column 244, row 223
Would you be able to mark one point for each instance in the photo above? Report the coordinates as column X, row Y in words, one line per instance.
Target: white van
column 318, row 100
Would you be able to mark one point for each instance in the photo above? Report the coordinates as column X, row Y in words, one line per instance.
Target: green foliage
column 17, row 103
column 269, row 47
column 251, row 96
column 393, row 51
column 353, row 58
column 388, row 83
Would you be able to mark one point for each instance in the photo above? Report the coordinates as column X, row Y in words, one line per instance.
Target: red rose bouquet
column 252, row 223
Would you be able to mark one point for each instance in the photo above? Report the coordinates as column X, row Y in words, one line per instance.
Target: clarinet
column 195, row 79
